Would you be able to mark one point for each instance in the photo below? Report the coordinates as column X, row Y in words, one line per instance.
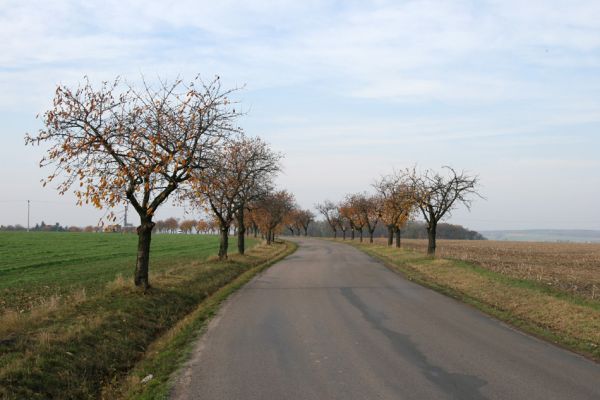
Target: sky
column 349, row 90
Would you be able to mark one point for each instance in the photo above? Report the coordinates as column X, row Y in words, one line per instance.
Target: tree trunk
column 144, row 232
column 398, row 237
column 371, row 232
column 224, row 243
column 241, row 244
column 305, row 231
column 343, row 234
column 352, row 234
column 360, row 232
column 269, row 236
column 335, row 233
column 431, row 234
column 390, row 235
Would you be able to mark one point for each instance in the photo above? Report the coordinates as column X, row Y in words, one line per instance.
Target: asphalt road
column 329, row 322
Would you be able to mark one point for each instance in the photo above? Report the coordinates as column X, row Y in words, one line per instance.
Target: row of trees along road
column 119, row 144
column 399, row 197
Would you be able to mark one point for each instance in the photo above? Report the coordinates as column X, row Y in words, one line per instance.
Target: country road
column 329, row 322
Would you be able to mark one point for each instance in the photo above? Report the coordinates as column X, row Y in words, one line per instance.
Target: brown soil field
column 569, row 267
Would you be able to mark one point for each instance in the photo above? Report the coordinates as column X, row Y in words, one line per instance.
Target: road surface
column 329, row 322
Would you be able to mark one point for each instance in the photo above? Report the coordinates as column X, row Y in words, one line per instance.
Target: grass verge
column 567, row 320
column 102, row 345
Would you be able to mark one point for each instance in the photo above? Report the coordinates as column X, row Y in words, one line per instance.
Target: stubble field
column 567, row 267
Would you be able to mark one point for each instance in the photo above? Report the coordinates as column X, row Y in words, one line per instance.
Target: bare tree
column 331, row 213
column 122, row 144
column 258, row 165
column 437, row 195
column 304, row 219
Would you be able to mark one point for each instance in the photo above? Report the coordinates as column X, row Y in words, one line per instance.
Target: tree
column 304, row 219
column 201, row 226
column 398, row 202
column 119, row 144
column 354, row 204
column 259, row 165
column 344, row 220
column 188, row 225
column 271, row 211
column 171, row 225
column 291, row 221
column 438, row 194
column 368, row 209
column 243, row 171
column 330, row 212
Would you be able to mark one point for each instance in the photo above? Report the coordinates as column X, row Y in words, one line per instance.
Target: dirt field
column 569, row 267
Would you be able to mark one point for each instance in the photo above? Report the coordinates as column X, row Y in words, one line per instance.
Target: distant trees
column 331, row 213
column 270, row 212
column 351, row 208
column 398, row 197
column 358, row 211
column 242, row 172
column 120, row 144
column 304, row 218
column 259, row 165
column 188, row 225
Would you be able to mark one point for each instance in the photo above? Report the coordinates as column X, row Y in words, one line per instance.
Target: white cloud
column 369, row 84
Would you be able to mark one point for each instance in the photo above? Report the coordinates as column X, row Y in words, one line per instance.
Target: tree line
column 397, row 198
column 119, row 144
column 412, row 230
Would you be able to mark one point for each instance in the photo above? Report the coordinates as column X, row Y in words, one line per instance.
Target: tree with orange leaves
column 291, row 221
column 201, row 226
column 271, row 211
column 369, row 211
column 120, row 144
column 344, row 219
column 354, row 206
column 398, row 203
column 188, row 225
column 304, row 219
column 243, row 171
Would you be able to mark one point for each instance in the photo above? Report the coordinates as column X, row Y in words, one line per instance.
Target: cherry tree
column 119, row 143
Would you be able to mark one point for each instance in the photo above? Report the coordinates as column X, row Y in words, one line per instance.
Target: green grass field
column 72, row 324
column 37, row 265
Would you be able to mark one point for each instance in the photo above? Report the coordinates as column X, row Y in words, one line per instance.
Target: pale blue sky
column 348, row 90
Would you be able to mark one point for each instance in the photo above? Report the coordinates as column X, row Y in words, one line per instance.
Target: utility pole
column 28, row 206
column 125, row 217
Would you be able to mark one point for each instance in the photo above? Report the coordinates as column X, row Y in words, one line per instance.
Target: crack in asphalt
column 458, row 386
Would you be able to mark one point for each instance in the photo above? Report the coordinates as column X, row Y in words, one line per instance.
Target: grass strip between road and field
column 564, row 319
column 167, row 354
column 103, row 346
